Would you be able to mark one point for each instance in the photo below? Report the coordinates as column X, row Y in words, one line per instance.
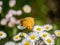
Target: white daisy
column 1, row 3
column 48, row 27
column 38, row 28
column 19, row 12
column 16, row 38
column 10, row 43
column 12, row 11
column 2, row 35
column 22, row 34
column 13, row 20
column 12, row 3
column 10, row 24
column 57, row 33
column 49, row 41
column 27, row 42
column 18, row 21
column 44, row 35
column 4, row 21
column 27, row 9
column 8, row 15
column 33, row 37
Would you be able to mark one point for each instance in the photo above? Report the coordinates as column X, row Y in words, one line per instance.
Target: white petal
column 12, row 3
column 1, row 3
column 20, row 27
column 19, row 12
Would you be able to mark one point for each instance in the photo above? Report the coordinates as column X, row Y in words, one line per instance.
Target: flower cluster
column 12, row 3
column 1, row 3
column 10, row 19
column 2, row 35
column 39, row 32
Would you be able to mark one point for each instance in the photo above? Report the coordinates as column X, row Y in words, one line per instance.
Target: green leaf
column 57, row 41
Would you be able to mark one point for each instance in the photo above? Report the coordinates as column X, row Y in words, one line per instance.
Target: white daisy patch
column 2, row 35
column 11, row 25
column 12, row 3
column 27, row 9
column 57, row 33
column 1, row 3
column 33, row 36
column 10, row 43
column 19, row 12
column 27, row 42
column 4, row 21
column 16, row 38
column 49, row 41
column 44, row 35
column 38, row 28
column 22, row 34
column 48, row 27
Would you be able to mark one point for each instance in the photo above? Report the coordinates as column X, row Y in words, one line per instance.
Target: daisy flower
column 10, row 43
column 49, row 41
column 16, row 38
column 1, row 3
column 22, row 34
column 44, row 35
column 48, row 27
column 13, row 20
column 2, row 35
column 8, row 15
column 33, row 36
column 12, row 3
column 27, row 42
column 27, row 9
column 19, row 12
column 10, row 24
column 4, row 21
column 18, row 21
column 57, row 33
column 12, row 11
column 38, row 28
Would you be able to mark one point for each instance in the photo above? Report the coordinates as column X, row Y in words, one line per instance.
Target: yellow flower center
column 33, row 37
column 49, row 40
column 27, row 9
column 47, row 27
column 58, row 33
column 17, row 37
column 23, row 34
column 38, row 29
column 1, row 34
column 44, row 35
column 27, row 43
column 30, row 23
